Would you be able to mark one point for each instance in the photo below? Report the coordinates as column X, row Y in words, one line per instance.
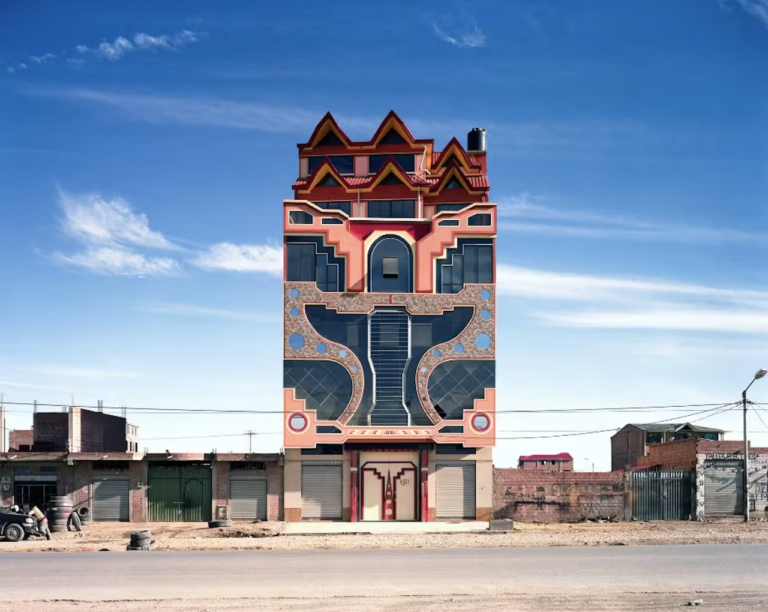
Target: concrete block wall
column 51, row 428
column 139, row 505
column 528, row 495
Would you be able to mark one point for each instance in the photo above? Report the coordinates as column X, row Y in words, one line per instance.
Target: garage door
column 723, row 489
column 110, row 500
column 248, row 496
column 321, row 491
column 455, row 489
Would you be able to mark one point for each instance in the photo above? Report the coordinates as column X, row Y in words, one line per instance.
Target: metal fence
column 659, row 496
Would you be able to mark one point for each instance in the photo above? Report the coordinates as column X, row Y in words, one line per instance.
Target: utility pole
column 760, row 373
column 250, row 441
column 746, row 457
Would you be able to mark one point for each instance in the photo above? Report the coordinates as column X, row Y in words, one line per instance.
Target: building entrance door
column 389, row 486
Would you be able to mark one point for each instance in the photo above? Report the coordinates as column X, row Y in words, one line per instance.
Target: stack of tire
column 60, row 507
column 141, row 540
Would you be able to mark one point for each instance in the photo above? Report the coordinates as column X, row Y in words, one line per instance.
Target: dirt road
column 629, row 578
column 246, row 536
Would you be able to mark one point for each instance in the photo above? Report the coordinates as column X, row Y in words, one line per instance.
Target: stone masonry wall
column 528, row 495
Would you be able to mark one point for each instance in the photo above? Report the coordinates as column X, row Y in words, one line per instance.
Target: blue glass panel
column 296, row 341
column 483, row 341
column 326, row 386
column 450, row 207
column 485, row 294
column 485, row 314
column 345, row 207
column 455, row 385
column 293, row 312
column 300, row 217
column 344, row 164
column 479, row 219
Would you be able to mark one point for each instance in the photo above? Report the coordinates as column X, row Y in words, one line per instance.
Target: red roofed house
column 562, row 462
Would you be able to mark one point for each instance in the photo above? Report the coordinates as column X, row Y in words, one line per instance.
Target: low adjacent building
column 79, row 430
column 561, row 462
column 633, row 441
column 21, row 439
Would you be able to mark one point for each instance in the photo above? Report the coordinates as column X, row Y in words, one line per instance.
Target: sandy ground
column 267, row 536
column 628, row 602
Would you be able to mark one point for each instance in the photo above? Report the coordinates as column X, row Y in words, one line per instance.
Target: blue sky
column 147, row 148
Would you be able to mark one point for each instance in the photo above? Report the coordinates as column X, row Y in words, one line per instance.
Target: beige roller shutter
column 321, row 490
column 248, row 496
column 723, row 489
column 110, row 499
column 455, row 489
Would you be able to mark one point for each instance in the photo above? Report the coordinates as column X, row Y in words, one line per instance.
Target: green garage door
column 179, row 493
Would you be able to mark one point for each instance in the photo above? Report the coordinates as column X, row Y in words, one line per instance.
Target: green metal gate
column 179, row 493
column 661, row 496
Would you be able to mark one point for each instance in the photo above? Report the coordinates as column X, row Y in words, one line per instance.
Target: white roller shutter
column 455, row 489
column 321, row 490
column 723, row 489
column 110, row 499
column 248, row 496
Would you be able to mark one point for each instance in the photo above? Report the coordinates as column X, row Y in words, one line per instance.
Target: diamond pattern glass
column 455, row 385
column 325, row 385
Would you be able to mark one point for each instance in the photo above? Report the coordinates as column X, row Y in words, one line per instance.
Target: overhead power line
column 155, row 409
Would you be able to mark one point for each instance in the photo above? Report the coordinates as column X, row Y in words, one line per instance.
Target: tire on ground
column 14, row 532
column 221, row 523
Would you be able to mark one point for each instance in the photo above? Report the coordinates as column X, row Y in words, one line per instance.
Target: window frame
column 315, row 161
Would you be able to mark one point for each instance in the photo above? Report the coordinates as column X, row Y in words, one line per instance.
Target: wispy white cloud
column 92, row 218
column 580, row 300
column 466, row 40
column 120, row 261
column 756, row 8
column 524, row 213
column 215, row 112
column 115, row 50
column 86, row 373
column 193, row 310
column 241, row 258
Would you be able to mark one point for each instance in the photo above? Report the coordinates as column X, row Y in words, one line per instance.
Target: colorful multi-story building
column 390, row 320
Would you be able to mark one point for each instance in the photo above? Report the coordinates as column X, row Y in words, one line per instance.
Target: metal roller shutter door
column 723, row 490
column 455, row 489
column 110, row 500
column 321, row 491
column 248, row 496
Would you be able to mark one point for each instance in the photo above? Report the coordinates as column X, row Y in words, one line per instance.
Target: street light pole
column 760, row 373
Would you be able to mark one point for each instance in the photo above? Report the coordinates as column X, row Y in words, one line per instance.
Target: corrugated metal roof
column 560, row 456
column 662, row 427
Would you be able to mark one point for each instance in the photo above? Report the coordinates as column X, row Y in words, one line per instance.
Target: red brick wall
column 221, row 486
column 137, row 473
column 560, row 465
column 534, row 495
column 20, row 436
column 679, row 455
column 274, row 492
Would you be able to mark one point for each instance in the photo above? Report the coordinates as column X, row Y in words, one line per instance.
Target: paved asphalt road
column 328, row 573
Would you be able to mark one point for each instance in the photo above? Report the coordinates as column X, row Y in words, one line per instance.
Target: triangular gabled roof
column 454, row 171
column 391, row 122
column 454, row 148
column 327, row 124
column 353, row 183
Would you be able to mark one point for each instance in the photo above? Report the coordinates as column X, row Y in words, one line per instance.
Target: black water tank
column 476, row 140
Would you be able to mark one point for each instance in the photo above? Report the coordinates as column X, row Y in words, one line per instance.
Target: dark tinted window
column 345, row 207
column 450, row 207
column 330, row 140
column 344, row 164
column 305, row 265
column 332, row 221
column 405, row 161
column 479, row 219
column 328, row 181
column 392, row 137
column 444, row 222
column 397, row 209
column 473, row 265
column 653, row 438
column 300, row 217
column 454, row 183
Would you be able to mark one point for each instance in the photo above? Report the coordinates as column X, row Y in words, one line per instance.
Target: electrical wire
column 148, row 409
column 233, row 435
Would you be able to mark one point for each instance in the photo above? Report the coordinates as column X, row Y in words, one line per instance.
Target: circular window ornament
column 296, row 341
column 436, row 353
column 483, row 342
column 294, row 293
column 354, row 369
column 485, row 314
column 481, row 422
column 297, row 422
column 321, row 348
column 459, row 348
column 485, row 294
column 293, row 312
column 423, row 368
column 342, row 353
